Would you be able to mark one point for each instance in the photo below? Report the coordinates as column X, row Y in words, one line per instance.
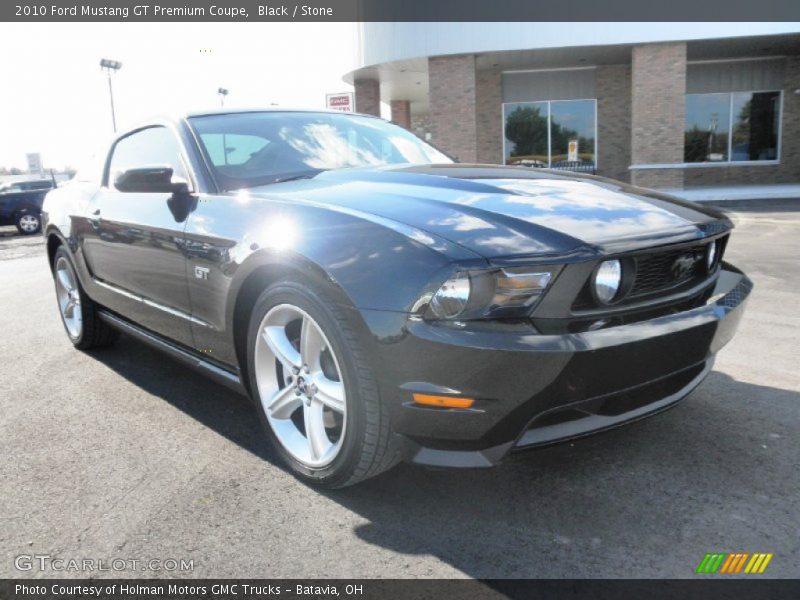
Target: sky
column 55, row 97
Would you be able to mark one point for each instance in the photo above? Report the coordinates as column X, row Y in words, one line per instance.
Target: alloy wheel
column 300, row 385
column 29, row 223
column 69, row 298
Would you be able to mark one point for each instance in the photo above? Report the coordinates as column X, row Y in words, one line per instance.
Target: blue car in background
column 21, row 204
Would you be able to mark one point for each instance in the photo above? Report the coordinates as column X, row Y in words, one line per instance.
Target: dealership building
column 666, row 105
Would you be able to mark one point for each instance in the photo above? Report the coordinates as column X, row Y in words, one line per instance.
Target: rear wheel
column 78, row 313
column 316, row 394
column 28, row 223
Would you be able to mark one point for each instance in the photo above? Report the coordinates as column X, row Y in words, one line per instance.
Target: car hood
column 509, row 211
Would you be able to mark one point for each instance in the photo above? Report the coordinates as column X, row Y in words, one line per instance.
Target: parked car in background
column 21, row 204
column 26, row 186
column 378, row 302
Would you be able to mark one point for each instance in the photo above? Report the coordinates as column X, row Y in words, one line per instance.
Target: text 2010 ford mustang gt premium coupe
column 379, row 302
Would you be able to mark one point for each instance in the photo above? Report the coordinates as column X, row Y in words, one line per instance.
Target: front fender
column 365, row 263
column 270, row 264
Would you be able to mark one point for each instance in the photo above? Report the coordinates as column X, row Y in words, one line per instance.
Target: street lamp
column 110, row 66
column 222, row 93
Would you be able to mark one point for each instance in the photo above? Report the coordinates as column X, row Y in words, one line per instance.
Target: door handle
column 95, row 217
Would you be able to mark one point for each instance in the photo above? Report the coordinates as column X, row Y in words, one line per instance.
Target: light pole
column 222, row 93
column 110, row 66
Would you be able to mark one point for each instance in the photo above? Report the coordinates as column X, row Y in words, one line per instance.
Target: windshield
column 248, row 149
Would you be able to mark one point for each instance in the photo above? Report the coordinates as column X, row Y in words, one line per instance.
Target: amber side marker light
column 443, row 401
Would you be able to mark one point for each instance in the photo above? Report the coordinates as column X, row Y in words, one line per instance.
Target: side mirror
column 152, row 180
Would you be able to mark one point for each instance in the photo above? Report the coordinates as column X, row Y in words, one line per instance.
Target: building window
column 557, row 133
column 732, row 127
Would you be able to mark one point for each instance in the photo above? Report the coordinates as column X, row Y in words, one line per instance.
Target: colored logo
column 736, row 562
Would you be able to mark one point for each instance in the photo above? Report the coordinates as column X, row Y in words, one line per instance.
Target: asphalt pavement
column 124, row 454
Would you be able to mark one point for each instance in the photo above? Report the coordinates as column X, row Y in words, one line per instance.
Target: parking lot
column 123, row 453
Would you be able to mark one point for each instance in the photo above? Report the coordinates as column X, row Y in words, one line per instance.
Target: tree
column 695, row 145
column 527, row 129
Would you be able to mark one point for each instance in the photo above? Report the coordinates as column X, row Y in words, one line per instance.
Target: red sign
column 342, row 102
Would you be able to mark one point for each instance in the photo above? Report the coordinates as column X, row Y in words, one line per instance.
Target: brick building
column 658, row 104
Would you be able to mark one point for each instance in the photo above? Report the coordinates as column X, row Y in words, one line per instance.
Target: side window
column 151, row 147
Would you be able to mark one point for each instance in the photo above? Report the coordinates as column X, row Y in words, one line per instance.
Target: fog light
column 607, row 280
column 711, row 255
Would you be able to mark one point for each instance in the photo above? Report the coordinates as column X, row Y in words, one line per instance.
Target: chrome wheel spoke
column 69, row 309
column 311, row 344
column 314, row 422
column 283, row 403
column 281, row 347
column 63, row 279
column 329, row 393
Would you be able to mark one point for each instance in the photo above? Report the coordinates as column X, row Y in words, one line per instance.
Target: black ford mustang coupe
column 379, row 302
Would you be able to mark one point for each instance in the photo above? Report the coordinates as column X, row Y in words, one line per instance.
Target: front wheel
column 314, row 387
column 28, row 223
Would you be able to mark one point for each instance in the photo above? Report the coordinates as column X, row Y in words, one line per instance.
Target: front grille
column 657, row 272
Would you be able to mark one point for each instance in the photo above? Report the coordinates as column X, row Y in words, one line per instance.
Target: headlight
column 496, row 292
column 516, row 288
column 711, row 255
column 451, row 299
column 607, row 280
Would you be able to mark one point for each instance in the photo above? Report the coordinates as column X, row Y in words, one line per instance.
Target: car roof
column 175, row 118
column 234, row 111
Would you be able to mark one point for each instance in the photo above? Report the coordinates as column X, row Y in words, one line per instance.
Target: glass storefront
column 554, row 133
column 707, row 123
column 732, row 127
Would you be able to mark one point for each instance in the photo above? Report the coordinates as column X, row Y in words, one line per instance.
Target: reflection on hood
column 501, row 211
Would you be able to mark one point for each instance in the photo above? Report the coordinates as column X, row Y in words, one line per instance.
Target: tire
column 357, row 442
column 78, row 313
column 28, row 223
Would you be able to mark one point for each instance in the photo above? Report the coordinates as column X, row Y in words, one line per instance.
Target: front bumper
column 533, row 389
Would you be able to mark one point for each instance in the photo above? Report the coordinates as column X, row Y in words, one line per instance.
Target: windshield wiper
column 260, row 181
column 296, row 177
